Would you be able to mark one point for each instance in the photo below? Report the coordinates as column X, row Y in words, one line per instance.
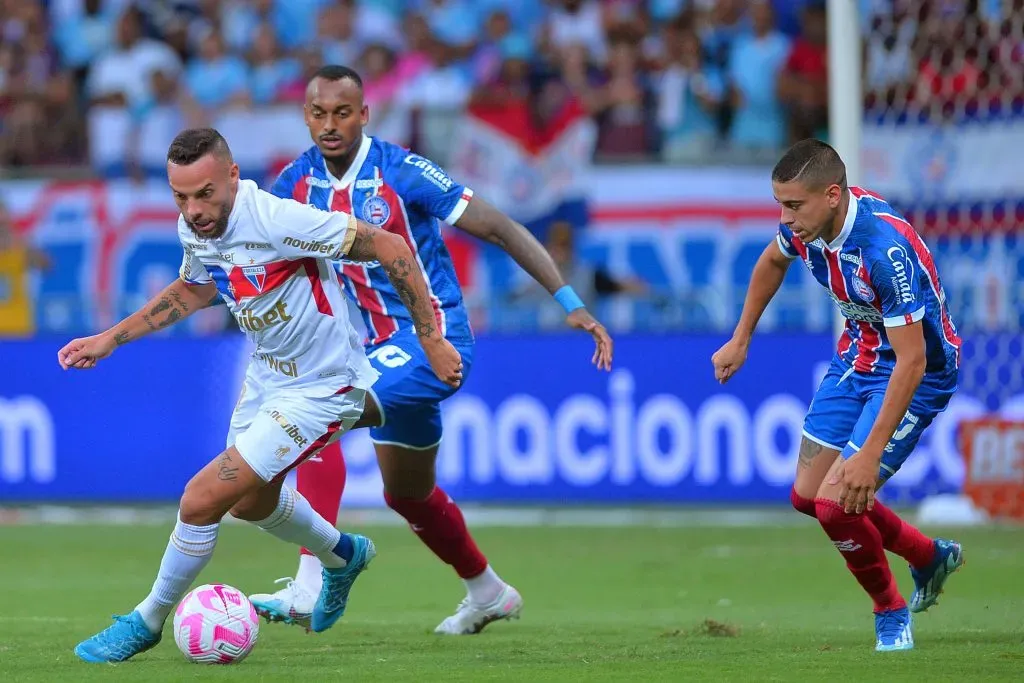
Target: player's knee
column 195, row 508
column 198, row 504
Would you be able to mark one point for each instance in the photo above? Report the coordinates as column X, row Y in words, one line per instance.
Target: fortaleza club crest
column 256, row 275
column 375, row 210
column 863, row 289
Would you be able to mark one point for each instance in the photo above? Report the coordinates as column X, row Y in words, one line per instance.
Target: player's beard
column 220, row 226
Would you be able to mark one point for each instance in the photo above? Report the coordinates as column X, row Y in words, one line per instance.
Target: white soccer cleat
column 293, row 604
column 470, row 618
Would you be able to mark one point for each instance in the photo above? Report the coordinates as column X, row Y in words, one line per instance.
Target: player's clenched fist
column 729, row 359
column 83, row 353
column 444, row 360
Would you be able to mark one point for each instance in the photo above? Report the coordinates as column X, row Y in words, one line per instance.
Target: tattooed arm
column 176, row 302
column 399, row 263
column 366, row 243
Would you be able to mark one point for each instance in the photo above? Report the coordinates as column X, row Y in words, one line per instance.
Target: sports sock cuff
column 282, row 513
column 194, row 540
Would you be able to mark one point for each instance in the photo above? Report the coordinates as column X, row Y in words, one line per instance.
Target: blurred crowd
column 677, row 79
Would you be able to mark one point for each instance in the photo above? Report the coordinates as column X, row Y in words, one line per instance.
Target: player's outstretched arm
column 176, row 302
column 769, row 272
column 482, row 220
column 394, row 255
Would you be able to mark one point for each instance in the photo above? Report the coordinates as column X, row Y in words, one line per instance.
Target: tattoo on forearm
column 177, row 297
column 362, row 248
column 809, row 450
column 161, row 306
column 400, row 273
column 122, row 338
column 172, row 317
column 226, row 470
column 174, row 312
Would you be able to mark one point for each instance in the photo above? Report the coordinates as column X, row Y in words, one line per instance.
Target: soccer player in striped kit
column 895, row 369
column 406, row 194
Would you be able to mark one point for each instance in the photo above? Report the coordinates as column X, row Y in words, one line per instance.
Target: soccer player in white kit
column 270, row 260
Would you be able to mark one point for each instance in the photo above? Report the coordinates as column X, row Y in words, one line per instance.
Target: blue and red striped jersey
column 881, row 274
column 403, row 193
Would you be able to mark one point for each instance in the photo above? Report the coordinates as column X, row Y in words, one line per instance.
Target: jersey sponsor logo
column 376, row 211
column 430, row 172
column 374, row 183
column 288, row 368
column 350, row 262
column 854, row 311
column 312, row 245
column 863, row 289
column 227, row 257
column 255, row 322
column 258, row 245
column 256, row 275
column 317, row 182
column 852, row 258
column 904, row 269
column 289, row 428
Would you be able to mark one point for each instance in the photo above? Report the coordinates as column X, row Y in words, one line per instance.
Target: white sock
column 295, row 521
column 309, row 575
column 484, row 588
column 188, row 551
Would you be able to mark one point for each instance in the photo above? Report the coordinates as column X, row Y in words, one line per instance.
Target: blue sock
column 345, row 550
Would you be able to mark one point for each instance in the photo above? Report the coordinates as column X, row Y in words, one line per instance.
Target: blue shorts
column 408, row 392
column 845, row 407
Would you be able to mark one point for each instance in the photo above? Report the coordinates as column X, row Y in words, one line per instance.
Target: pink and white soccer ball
column 216, row 624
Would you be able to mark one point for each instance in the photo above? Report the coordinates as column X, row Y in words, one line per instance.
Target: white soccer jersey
column 273, row 268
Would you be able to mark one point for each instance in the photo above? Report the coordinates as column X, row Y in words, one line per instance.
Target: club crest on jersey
column 256, row 275
column 863, row 289
column 376, row 211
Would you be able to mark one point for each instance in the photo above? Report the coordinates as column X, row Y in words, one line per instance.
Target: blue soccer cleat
column 892, row 630
column 125, row 638
column 330, row 606
column 928, row 582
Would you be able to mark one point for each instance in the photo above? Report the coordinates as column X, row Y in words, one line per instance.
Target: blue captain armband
column 568, row 298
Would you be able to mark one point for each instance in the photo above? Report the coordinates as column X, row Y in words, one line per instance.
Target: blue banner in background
column 536, row 423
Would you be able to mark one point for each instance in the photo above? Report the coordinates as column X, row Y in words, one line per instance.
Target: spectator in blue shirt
column 754, row 65
column 215, row 79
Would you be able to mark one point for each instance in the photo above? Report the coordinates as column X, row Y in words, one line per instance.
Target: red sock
column 321, row 480
column 902, row 538
column 861, row 546
column 801, row 504
column 438, row 522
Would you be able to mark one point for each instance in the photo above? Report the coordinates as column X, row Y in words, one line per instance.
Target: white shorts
column 274, row 431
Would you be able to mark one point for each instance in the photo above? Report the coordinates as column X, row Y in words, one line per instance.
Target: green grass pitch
column 620, row 604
